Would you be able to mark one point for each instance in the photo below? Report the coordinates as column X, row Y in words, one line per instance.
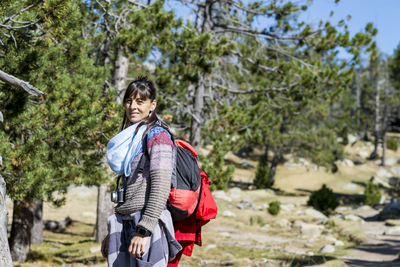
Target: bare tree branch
column 20, row 83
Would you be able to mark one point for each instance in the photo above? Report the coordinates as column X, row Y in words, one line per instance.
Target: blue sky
column 384, row 14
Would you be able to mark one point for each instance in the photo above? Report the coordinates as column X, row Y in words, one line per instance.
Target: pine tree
column 59, row 138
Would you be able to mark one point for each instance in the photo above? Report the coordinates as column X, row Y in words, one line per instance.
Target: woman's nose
column 132, row 105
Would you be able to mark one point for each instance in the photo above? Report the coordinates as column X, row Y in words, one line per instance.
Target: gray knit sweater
column 148, row 190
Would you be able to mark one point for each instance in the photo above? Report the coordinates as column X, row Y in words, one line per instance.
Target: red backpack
column 188, row 185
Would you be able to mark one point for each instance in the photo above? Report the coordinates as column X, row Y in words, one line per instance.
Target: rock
column 390, row 211
column 342, row 209
column 328, row 249
column 364, row 207
column 395, row 230
column 94, row 249
column 265, row 227
column 353, row 218
column 330, row 239
column 350, row 187
column 339, row 243
column 287, row 207
column 310, row 253
column 395, row 170
column 282, row 223
column 380, row 181
column 351, row 138
column 246, row 165
column 390, row 161
column 345, row 162
column 315, row 214
column 88, row 214
column 310, row 230
column 262, row 207
column 270, row 192
column 292, row 164
column 235, row 192
column 245, row 204
column 363, row 154
column 392, row 222
column 382, row 200
column 358, row 161
column 211, row 246
column 219, row 194
column 382, row 172
column 339, row 140
column 228, row 213
column 225, row 234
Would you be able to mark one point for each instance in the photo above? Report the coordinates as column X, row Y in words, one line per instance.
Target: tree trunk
column 197, row 120
column 37, row 229
column 272, row 168
column 385, row 122
column 5, row 256
column 121, row 66
column 374, row 153
column 104, row 209
column 20, row 238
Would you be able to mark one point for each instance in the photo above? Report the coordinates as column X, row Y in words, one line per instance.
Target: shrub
column 323, row 200
column 274, row 207
column 391, row 143
column 372, row 194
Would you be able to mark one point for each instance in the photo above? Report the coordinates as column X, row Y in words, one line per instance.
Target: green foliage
column 323, row 200
column 263, row 178
column 392, row 144
column 372, row 194
column 213, row 164
column 274, row 207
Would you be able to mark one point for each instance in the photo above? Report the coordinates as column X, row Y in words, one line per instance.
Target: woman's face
column 137, row 108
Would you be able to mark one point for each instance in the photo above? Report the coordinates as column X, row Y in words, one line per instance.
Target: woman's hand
column 104, row 246
column 138, row 246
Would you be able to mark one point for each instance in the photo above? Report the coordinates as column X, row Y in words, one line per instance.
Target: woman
column 141, row 231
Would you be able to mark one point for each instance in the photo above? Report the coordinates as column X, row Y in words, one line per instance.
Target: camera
column 118, row 196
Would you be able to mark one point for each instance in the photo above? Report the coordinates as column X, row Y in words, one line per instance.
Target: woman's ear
column 153, row 105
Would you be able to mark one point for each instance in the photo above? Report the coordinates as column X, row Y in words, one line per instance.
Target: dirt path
column 378, row 250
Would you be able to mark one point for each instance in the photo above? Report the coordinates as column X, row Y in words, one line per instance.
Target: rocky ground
column 245, row 234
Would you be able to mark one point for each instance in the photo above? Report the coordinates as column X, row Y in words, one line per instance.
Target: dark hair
column 146, row 90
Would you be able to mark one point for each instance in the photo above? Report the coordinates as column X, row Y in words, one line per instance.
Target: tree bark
column 121, row 66
column 37, row 229
column 272, row 168
column 104, row 209
column 7, row 78
column 385, row 123
column 197, row 120
column 374, row 153
column 5, row 255
column 20, row 238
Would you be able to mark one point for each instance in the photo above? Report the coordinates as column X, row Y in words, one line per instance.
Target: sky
column 384, row 14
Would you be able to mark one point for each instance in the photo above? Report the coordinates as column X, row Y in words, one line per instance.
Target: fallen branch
column 5, row 77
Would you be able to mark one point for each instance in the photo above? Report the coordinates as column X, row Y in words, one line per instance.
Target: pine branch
column 12, row 80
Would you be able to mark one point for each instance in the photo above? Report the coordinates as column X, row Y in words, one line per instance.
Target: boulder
column 245, row 204
column 235, row 192
column 287, row 207
column 345, row 162
column 390, row 211
column 393, row 231
column 310, row 230
column 328, row 249
column 350, row 187
column 246, row 165
column 283, row 223
column 382, row 181
column 228, row 213
column 352, row 138
column 395, row 170
column 339, row 243
column 353, row 218
column 220, row 194
column 394, row 181
column 363, row 154
column 315, row 214
column 390, row 161
column 382, row 172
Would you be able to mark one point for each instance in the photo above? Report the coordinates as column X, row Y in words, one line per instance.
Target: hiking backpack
column 186, row 186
